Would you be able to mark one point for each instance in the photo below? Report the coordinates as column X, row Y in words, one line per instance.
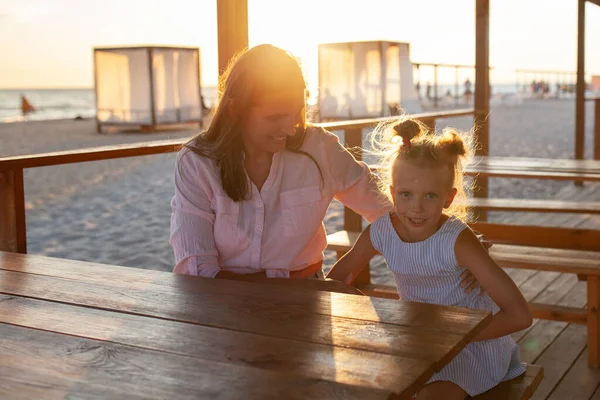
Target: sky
column 48, row 43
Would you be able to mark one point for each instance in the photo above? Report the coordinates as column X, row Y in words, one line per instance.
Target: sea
column 59, row 103
column 72, row 103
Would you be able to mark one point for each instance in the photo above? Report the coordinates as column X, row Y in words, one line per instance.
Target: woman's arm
column 352, row 181
column 353, row 262
column 514, row 314
column 192, row 218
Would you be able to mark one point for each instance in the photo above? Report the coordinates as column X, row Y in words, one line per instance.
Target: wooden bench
column 520, row 388
column 564, row 250
column 534, row 205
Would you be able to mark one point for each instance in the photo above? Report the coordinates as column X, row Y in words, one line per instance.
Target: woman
column 252, row 191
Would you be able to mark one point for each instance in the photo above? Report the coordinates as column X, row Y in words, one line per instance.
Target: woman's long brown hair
column 261, row 70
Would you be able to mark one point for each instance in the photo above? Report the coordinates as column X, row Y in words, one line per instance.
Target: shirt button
column 258, row 204
column 259, row 227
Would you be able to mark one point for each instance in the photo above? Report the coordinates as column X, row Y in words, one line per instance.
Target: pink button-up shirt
column 280, row 228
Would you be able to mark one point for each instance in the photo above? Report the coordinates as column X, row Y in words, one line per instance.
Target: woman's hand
column 468, row 281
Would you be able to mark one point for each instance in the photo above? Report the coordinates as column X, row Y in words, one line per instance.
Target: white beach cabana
column 147, row 87
column 365, row 80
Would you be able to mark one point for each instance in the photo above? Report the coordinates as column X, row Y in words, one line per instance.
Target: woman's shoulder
column 317, row 136
column 190, row 158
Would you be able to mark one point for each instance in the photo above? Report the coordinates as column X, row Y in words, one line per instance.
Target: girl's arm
column 353, row 262
column 514, row 314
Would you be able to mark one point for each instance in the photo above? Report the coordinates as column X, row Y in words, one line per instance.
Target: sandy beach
column 118, row 212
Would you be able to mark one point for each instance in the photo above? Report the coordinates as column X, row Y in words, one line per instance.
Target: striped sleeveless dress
column 427, row 272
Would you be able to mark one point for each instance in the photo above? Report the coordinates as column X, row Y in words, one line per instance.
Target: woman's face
column 271, row 120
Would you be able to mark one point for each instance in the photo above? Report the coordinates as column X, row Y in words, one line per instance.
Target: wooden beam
column 482, row 89
column 232, row 29
column 352, row 221
column 12, row 212
column 580, row 91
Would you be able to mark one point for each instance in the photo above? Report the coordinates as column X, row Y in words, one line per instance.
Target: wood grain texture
column 70, row 367
column 354, row 367
column 295, row 320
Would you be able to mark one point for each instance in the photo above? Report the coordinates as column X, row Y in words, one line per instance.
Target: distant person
column 418, row 89
column 428, row 91
column 26, row 106
column 468, row 91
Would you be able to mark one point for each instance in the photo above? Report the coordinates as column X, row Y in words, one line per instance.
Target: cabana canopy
column 365, row 80
column 147, row 86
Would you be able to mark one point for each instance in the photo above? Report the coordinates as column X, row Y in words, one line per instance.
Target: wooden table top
column 536, row 168
column 73, row 328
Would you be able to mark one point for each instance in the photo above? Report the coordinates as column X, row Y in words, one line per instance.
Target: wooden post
column 597, row 129
column 13, row 235
column 580, row 92
column 232, row 28
column 353, row 221
column 482, row 85
column 593, row 321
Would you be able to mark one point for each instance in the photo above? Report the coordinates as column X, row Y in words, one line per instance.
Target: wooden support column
column 232, row 28
column 597, row 129
column 482, row 87
column 580, row 91
column 13, row 236
column 353, row 221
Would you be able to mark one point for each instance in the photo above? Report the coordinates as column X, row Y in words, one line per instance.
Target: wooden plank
column 558, row 358
column 510, row 239
column 13, row 235
column 159, row 146
column 73, row 367
column 354, row 367
column 535, row 205
column 580, row 382
column 558, row 313
column 559, row 238
column 423, row 316
column 296, row 321
column 371, row 122
column 521, row 387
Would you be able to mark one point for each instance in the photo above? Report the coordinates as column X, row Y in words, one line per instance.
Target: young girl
column 424, row 241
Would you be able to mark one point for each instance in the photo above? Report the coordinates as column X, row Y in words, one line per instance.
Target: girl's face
column 420, row 194
column 271, row 120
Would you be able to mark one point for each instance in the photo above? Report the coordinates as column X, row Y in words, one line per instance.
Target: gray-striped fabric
column 428, row 272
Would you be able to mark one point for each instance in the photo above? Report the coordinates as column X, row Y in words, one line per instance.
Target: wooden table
column 76, row 329
column 535, row 168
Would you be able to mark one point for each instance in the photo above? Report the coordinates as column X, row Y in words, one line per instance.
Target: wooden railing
column 13, row 235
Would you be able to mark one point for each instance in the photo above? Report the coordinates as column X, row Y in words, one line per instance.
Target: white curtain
column 122, row 86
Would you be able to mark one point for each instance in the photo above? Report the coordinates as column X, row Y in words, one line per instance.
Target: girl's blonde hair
column 411, row 140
